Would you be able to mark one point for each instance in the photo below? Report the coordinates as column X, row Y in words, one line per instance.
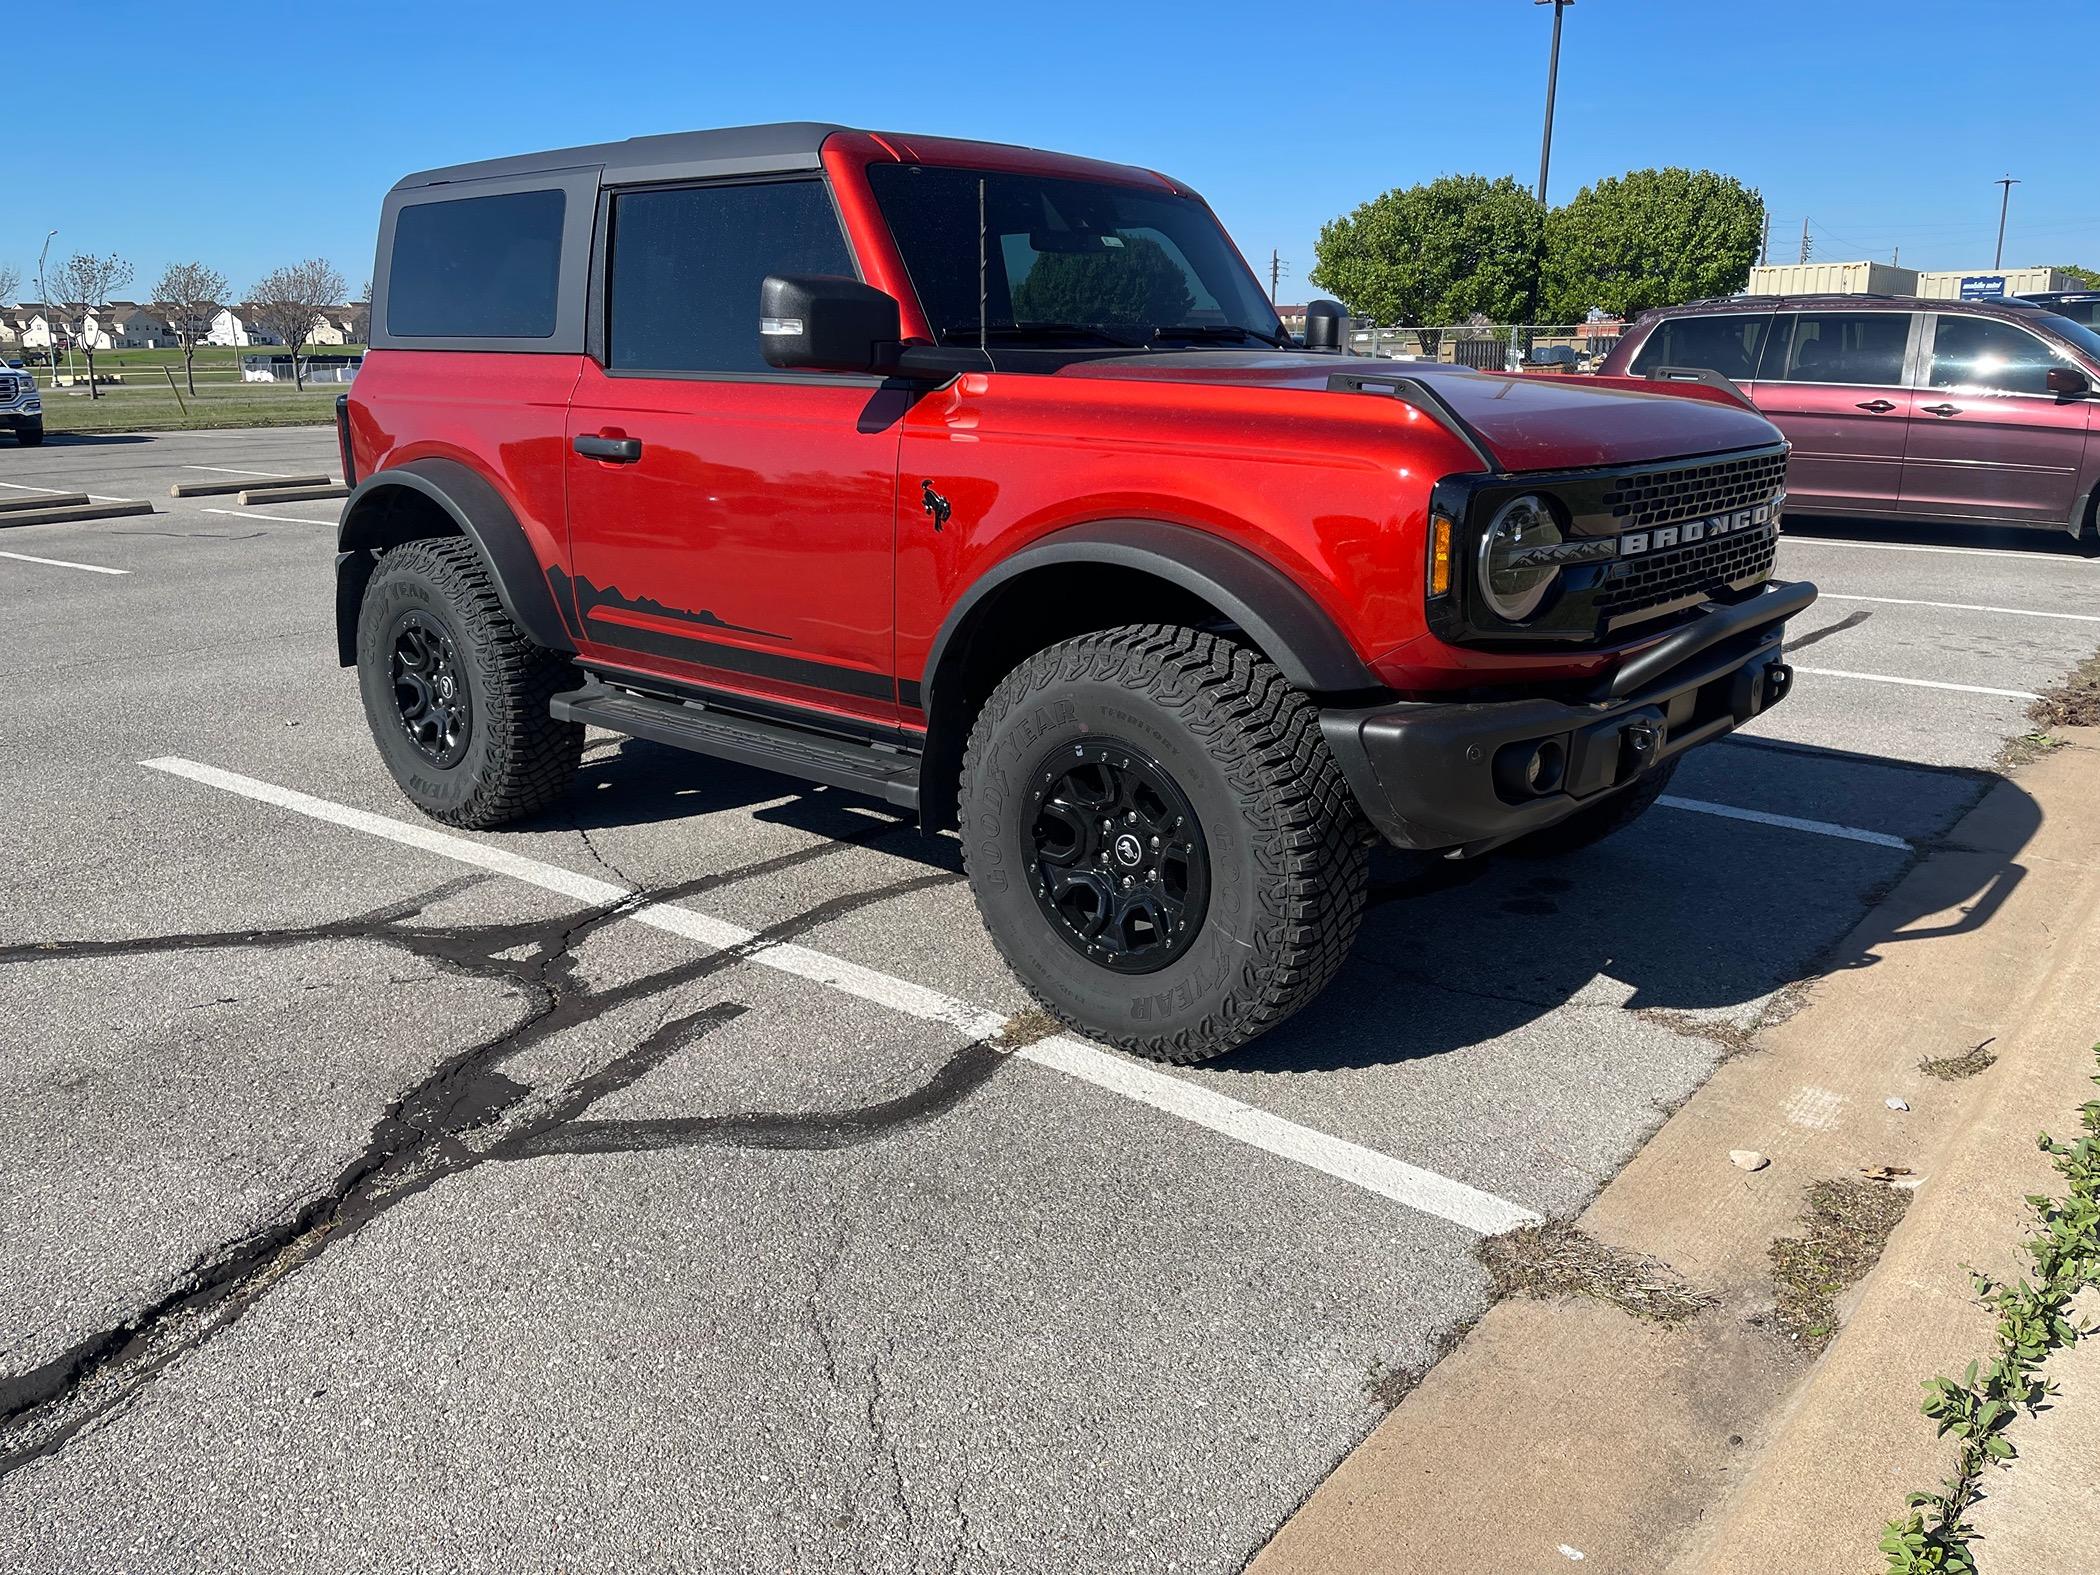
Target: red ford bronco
column 986, row 481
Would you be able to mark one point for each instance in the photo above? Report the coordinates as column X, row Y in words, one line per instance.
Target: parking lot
column 674, row 1184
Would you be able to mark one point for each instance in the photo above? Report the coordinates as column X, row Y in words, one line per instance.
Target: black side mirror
column 822, row 323
column 2067, row 382
column 1325, row 323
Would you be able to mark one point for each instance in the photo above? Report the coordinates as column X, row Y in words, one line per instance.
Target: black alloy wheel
column 1121, row 870
column 430, row 689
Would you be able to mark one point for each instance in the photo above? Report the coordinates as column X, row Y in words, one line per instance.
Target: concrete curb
column 70, row 512
column 1568, row 1429
column 291, row 494
column 213, row 489
column 50, row 500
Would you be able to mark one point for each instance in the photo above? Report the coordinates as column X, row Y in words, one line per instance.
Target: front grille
column 1686, row 574
column 1664, row 497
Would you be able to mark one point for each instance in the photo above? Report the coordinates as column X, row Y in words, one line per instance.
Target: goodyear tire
column 1159, row 841
column 1594, row 824
column 455, row 695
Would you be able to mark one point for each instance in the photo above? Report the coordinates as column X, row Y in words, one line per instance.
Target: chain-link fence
column 1495, row 347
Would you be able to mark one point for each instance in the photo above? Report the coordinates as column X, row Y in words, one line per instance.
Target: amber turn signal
column 1439, row 554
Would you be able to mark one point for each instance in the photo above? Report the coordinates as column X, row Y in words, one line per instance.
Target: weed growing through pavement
column 1848, row 1224
column 2073, row 703
column 1953, row 1068
column 1556, row 1259
column 2033, row 1320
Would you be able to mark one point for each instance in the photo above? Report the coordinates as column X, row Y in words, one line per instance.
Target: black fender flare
column 477, row 510
column 1273, row 610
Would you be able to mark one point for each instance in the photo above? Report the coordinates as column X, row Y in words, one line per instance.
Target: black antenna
column 984, row 332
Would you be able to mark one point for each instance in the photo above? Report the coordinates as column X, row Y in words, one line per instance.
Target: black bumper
column 1467, row 775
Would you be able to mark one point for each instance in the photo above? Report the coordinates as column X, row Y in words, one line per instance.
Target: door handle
column 1941, row 410
column 1877, row 405
column 621, row 451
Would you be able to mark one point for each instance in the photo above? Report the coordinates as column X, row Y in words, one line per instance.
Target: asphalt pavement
column 650, row 1188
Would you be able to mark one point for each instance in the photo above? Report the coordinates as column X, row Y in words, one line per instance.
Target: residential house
column 236, row 325
column 130, row 326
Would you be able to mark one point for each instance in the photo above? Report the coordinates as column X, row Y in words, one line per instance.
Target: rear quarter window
column 477, row 267
column 1727, row 344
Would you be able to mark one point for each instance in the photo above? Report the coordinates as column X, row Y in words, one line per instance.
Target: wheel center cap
column 445, row 687
column 1129, row 851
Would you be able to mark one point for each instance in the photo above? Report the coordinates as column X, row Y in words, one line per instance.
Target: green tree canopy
column 1136, row 282
column 1650, row 238
column 2081, row 278
column 1437, row 253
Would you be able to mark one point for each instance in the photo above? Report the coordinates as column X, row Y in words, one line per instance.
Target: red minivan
column 1941, row 410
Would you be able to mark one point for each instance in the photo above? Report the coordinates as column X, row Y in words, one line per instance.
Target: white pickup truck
column 21, row 406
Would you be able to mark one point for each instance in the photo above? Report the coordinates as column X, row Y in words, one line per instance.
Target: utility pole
column 1276, row 271
column 1764, row 252
column 1805, row 243
column 2004, row 202
column 1552, row 80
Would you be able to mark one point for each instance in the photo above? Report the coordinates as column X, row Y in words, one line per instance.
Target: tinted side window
column 687, row 264
column 1728, row 345
column 478, row 268
column 1845, row 347
column 1976, row 352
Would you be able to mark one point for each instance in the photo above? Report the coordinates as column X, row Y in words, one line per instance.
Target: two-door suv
column 985, row 481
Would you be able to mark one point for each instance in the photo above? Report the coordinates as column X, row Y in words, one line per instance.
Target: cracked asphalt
column 361, row 1210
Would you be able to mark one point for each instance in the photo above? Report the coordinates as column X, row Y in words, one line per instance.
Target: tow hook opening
column 1531, row 768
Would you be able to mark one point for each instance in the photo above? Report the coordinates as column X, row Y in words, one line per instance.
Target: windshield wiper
column 1215, row 331
column 966, row 333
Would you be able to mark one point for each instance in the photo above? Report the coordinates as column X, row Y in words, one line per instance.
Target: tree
column 80, row 284
column 1650, row 238
column 10, row 281
column 361, row 316
column 1136, row 282
column 187, row 294
column 1437, row 253
column 2081, row 278
column 289, row 300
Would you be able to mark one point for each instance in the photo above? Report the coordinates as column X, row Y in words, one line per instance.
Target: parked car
column 2081, row 306
column 983, row 481
column 1928, row 409
column 21, row 405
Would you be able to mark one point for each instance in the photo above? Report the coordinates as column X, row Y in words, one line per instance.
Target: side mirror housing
column 2067, row 382
column 823, row 323
column 1325, row 323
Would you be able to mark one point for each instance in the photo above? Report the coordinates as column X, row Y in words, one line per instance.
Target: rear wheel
column 1159, row 841
column 454, row 693
column 1598, row 821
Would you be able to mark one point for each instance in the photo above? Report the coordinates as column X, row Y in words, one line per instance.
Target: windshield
column 2077, row 334
column 1069, row 262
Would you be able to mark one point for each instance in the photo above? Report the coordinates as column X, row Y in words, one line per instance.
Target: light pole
column 2006, row 183
column 1552, row 79
column 43, row 290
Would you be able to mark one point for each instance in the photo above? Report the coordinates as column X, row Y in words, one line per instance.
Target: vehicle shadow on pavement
column 2044, row 541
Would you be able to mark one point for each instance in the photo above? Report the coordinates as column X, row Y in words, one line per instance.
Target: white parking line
column 251, row 514
column 1959, row 552
column 228, row 470
column 2011, row 612
column 1918, row 683
column 92, row 497
column 1408, row 1185
column 62, row 563
column 1821, row 828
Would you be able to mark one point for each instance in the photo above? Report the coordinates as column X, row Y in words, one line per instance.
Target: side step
column 890, row 775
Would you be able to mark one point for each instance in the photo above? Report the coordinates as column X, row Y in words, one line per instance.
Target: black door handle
column 621, row 451
column 1877, row 405
column 1942, row 410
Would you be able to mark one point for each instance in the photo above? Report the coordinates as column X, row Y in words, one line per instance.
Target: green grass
column 139, row 366
column 213, row 405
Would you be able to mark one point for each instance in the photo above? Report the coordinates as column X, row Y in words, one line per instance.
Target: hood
column 1526, row 423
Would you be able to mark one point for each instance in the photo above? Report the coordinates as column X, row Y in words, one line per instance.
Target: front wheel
column 455, row 694
column 1598, row 821
column 30, row 433
column 1159, row 841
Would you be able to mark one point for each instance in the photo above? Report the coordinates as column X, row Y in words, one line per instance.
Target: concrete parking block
column 48, row 500
column 72, row 513
column 213, row 489
column 291, row 494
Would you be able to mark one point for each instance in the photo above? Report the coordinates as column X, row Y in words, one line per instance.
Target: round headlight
column 1512, row 586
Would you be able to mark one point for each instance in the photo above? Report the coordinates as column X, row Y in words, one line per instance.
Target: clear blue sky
column 1885, row 125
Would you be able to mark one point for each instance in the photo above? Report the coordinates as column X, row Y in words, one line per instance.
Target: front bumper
column 1471, row 774
column 31, row 409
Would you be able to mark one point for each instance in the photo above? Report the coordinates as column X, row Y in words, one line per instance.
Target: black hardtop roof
column 787, row 144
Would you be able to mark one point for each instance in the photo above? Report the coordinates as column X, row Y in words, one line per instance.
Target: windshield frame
column 2079, row 336
column 1238, row 315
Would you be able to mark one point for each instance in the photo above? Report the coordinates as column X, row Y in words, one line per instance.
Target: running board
column 887, row 774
